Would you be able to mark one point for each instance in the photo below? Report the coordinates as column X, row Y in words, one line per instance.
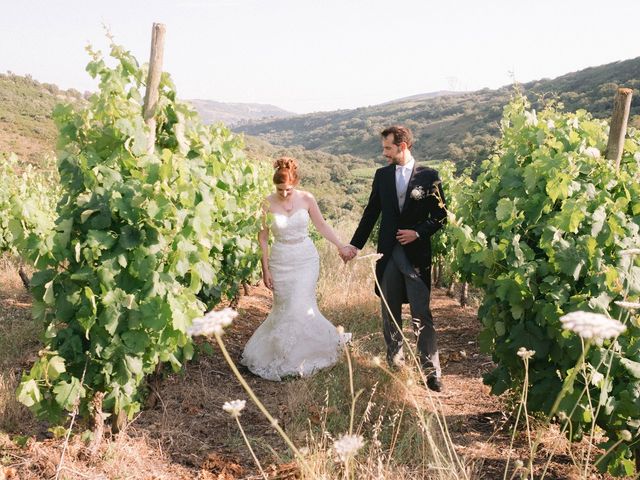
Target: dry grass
column 29, row 451
column 12, row 413
column 124, row 456
column 18, row 343
column 185, row 434
column 403, row 437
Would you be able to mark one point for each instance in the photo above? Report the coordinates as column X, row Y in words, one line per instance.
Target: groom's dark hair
column 400, row 134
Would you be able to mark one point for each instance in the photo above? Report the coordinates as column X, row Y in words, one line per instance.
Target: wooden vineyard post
column 151, row 96
column 98, row 425
column 464, row 294
column 615, row 147
column 440, row 268
column 451, row 291
column 26, row 281
column 618, row 129
column 153, row 82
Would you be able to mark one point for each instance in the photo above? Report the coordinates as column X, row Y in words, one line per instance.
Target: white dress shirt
column 403, row 174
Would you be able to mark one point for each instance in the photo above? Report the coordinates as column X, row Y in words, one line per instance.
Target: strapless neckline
column 291, row 215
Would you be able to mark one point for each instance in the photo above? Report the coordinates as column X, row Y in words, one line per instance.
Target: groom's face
column 392, row 152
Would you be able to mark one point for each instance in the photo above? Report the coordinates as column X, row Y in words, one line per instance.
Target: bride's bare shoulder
column 306, row 195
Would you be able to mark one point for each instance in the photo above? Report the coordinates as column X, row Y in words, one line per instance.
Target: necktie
column 401, row 186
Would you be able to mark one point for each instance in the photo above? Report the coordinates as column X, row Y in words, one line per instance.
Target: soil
column 184, row 433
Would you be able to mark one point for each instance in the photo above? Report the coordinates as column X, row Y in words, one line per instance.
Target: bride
column 295, row 339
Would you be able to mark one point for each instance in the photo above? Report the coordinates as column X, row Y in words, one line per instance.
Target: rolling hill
column 26, row 126
column 27, row 129
column 460, row 127
column 236, row 113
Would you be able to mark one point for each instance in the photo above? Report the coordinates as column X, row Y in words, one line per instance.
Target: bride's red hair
column 286, row 171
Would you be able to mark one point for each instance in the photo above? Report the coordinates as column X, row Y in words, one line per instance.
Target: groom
column 411, row 201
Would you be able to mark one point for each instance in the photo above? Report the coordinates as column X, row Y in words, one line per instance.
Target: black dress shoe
column 434, row 383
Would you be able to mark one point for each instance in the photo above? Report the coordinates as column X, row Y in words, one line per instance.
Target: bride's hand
column 347, row 252
column 267, row 279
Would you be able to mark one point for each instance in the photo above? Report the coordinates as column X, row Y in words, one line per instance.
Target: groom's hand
column 406, row 236
column 348, row 252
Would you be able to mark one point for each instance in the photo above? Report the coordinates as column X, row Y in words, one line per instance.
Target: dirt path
column 184, row 433
column 193, row 429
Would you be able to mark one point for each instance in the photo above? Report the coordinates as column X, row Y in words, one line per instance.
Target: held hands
column 406, row 236
column 347, row 252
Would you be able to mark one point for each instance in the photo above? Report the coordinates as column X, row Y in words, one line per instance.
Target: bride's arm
column 263, row 241
column 321, row 225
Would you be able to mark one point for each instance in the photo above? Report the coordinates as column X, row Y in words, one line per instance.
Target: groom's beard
column 397, row 159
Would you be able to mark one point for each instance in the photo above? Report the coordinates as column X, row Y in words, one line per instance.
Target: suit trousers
column 400, row 282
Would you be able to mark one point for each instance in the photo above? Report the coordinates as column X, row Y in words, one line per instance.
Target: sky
column 306, row 56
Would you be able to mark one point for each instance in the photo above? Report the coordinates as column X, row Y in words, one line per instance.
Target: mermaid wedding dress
column 295, row 339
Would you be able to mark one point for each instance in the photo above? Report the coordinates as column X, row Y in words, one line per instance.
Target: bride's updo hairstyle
column 286, row 171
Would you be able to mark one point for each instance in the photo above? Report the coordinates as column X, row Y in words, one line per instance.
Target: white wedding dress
column 295, row 339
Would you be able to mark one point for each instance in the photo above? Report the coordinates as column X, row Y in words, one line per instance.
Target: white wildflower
column 372, row 256
column 596, row 378
column 592, row 152
column 592, row 326
column 630, row 252
column 212, row 323
column 519, row 464
column 562, row 416
column 234, row 407
column 348, row 445
column 628, row 305
column 531, row 119
column 550, row 124
column 340, row 330
column 625, row 435
column 417, row 193
column 525, row 354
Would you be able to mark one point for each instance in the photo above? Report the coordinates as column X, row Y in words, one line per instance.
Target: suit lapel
column 394, row 190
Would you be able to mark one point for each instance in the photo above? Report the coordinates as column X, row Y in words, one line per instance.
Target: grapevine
column 143, row 242
column 542, row 231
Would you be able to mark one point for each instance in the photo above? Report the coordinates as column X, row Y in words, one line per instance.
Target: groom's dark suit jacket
column 425, row 215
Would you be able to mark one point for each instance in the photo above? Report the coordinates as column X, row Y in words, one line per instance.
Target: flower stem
column 246, row 440
column 567, row 384
column 259, row 404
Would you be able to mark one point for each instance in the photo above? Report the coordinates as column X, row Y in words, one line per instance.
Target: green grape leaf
column 55, row 367
column 68, row 394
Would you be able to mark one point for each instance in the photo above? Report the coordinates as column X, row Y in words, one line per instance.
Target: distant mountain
column 424, row 96
column 235, row 113
column 461, row 127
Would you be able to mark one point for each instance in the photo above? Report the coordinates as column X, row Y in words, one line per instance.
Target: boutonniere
column 417, row 193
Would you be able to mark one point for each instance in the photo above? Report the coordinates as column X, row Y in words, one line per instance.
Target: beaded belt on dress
column 292, row 241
